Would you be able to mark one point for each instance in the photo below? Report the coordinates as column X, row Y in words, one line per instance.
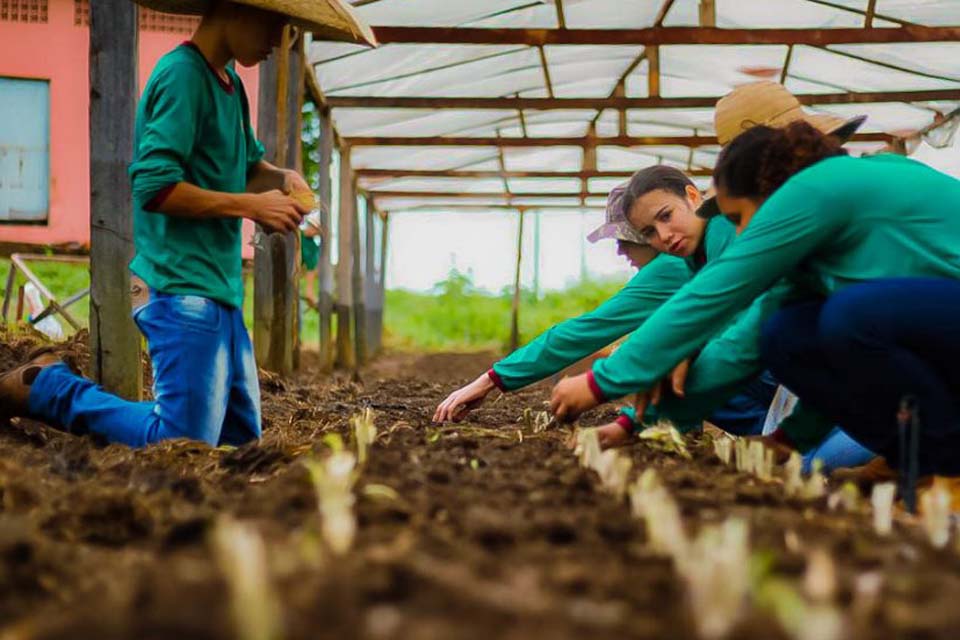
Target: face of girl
column 638, row 255
column 669, row 222
column 738, row 210
column 253, row 33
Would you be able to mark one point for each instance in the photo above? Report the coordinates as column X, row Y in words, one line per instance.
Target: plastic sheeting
column 582, row 71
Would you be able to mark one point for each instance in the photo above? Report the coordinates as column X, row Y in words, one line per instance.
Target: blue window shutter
column 24, row 150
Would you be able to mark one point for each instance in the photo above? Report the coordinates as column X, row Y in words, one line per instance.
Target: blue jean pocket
column 194, row 312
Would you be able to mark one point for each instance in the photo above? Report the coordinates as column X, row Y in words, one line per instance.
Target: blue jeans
column 854, row 355
column 205, row 381
column 745, row 413
column 837, row 451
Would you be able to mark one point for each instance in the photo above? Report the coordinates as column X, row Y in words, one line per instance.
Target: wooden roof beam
column 509, row 197
column 664, row 35
column 468, row 174
column 586, row 142
column 614, row 102
column 459, row 206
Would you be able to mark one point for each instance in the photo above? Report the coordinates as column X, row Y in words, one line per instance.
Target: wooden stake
column 515, row 311
column 359, row 299
column 344, row 305
column 114, row 339
column 324, row 265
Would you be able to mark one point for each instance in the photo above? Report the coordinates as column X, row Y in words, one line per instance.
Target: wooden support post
column 277, row 258
column 114, row 339
column 382, row 280
column 620, row 91
column 370, row 283
column 871, row 11
column 786, row 65
column 653, row 71
column 359, row 298
column 344, row 305
column 324, row 264
column 515, row 310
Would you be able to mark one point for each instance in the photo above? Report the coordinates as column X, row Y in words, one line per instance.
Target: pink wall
column 58, row 51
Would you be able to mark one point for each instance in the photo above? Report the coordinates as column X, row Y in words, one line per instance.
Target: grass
column 454, row 316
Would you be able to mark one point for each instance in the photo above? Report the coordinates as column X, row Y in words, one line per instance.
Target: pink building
column 44, row 108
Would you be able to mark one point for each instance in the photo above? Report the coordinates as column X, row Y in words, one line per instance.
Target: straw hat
column 616, row 224
column 326, row 19
column 768, row 103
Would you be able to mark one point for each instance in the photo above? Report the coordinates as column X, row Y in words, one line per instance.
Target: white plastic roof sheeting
column 592, row 71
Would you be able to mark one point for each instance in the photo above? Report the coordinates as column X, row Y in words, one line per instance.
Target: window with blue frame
column 24, row 150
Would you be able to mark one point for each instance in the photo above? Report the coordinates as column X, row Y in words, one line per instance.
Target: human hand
column 293, row 183
column 677, row 380
column 571, row 397
column 459, row 403
column 276, row 211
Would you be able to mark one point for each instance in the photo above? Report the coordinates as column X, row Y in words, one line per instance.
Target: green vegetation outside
column 453, row 316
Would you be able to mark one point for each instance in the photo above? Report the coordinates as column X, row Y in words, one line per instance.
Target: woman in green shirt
column 874, row 243
column 686, row 241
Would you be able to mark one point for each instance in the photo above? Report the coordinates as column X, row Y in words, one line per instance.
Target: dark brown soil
column 493, row 535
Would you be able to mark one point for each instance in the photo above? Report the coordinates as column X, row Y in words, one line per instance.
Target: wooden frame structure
column 352, row 290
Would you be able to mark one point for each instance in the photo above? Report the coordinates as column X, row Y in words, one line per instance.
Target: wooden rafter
column 468, row 174
column 561, row 19
column 664, row 35
column 613, row 102
column 508, row 196
column 460, row 206
column 861, row 12
column 786, row 65
column 546, row 71
column 616, row 141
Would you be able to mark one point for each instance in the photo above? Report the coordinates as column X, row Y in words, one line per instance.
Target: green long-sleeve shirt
column 191, row 127
column 572, row 340
column 576, row 338
column 840, row 222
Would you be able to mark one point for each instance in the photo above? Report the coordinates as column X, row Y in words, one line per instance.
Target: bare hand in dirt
column 276, row 211
column 459, row 403
column 677, row 381
column 613, row 435
column 571, row 397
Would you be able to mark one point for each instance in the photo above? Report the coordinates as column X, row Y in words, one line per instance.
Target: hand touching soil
column 462, row 401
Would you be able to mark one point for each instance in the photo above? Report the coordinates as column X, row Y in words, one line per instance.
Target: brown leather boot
column 865, row 476
column 15, row 384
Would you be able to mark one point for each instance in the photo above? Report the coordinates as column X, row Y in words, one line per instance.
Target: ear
column 693, row 195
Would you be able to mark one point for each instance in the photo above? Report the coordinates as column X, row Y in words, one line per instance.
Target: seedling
column 364, row 432
column 935, row 507
column 723, row 447
column 666, row 437
column 650, row 501
column 793, row 484
column 882, row 501
column 536, row 421
column 820, row 578
column 242, row 557
column 614, row 470
column 847, row 497
column 816, row 484
column 333, row 480
column 717, row 572
column 741, row 448
column 588, row 448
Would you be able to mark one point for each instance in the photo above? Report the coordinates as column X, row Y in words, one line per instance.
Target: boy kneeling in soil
column 195, row 160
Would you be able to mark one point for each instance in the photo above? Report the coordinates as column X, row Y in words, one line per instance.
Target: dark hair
column 758, row 161
column 652, row 178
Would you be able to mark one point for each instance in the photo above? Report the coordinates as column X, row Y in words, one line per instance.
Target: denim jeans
column 745, row 413
column 837, row 451
column 854, row 355
column 205, row 381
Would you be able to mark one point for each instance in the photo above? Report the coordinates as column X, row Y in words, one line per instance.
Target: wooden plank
column 663, row 36
column 324, row 265
column 515, row 307
column 467, row 173
column 277, row 258
column 8, row 292
column 459, row 195
column 708, row 13
column 614, row 102
column 586, row 141
column 114, row 338
column 461, row 206
column 871, row 11
column 653, row 71
column 346, row 356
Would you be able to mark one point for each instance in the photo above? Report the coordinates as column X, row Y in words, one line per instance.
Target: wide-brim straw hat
column 616, row 225
column 770, row 104
column 326, row 19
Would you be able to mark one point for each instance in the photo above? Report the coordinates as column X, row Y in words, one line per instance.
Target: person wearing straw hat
column 658, row 278
column 197, row 171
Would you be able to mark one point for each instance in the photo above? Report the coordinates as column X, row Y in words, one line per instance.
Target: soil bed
column 496, row 533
